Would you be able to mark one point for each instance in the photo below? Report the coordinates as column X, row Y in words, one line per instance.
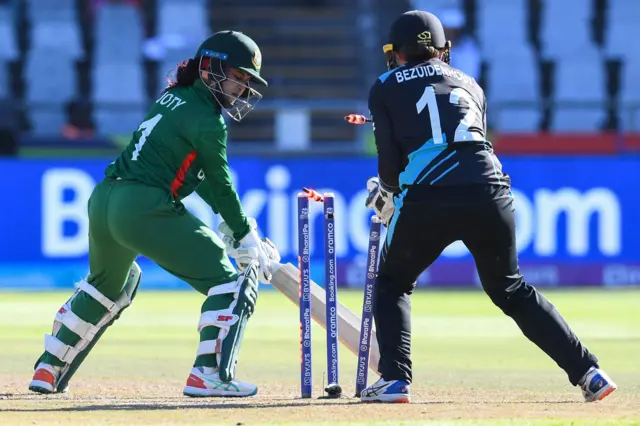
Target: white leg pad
column 99, row 297
column 76, row 324
column 208, row 347
column 63, row 352
column 223, row 318
column 232, row 287
column 83, row 329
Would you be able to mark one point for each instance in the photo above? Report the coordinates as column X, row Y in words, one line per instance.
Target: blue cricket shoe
column 397, row 391
column 596, row 385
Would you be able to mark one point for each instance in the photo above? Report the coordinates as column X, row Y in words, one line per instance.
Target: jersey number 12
column 428, row 99
column 146, row 127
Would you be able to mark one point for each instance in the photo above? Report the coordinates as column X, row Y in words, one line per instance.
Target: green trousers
column 128, row 219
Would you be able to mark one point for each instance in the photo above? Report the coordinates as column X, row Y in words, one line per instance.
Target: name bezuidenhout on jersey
column 423, row 71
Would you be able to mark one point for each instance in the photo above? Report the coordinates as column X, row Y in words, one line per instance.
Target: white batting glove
column 250, row 248
column 379, row 200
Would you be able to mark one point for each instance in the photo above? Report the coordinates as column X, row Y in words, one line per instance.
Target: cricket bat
column 285, row 279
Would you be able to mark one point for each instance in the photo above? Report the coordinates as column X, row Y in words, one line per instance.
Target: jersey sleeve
column 217, row 189
column 204, row 191
column 389, row 154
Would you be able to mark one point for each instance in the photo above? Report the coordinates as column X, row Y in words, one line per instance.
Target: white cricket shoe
column 44, row 379
column 596, row 385
column 387, row 391
column 203, row 383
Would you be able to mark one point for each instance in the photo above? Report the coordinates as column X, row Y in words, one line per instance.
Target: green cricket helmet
column 219, row 55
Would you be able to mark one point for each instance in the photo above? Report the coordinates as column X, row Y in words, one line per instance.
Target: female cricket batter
column 137, row 210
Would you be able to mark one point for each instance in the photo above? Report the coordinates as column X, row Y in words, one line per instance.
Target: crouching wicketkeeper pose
column 137, row 210
column 438, row 182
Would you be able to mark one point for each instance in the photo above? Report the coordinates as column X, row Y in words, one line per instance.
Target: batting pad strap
column 95, row 294
column 63, row 352
column 232, row 287
column 208, row 347
column 76, row 324
column 223, row 319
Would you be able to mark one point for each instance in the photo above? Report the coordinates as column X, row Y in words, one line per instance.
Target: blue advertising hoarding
column 577, row 219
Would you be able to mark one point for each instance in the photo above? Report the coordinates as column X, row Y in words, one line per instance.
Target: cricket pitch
column 472, row 365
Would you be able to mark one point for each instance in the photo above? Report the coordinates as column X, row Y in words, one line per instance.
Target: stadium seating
column 506, row 84
column 51, row 77
column 580, row 95
column 55, row 25
column 548, row 65
column 117, row 73
column 184, row 18
column 8, row 43
column 49, row 65
column 514, row 97
column 8, row 49
column 182, row 25
column 501, row 29
column 630, row 95
column 125, row 21
column 621, row 25
column 565, row 29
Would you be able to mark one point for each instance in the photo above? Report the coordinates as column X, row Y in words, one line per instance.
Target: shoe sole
column 603, row 395
column 388, row 399
column 39, row 386
column 606, row 393
column 202, row 393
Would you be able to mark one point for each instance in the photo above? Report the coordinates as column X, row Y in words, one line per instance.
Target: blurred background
column 562, row 80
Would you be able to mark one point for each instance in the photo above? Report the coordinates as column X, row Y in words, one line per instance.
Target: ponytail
column 185, row 75
column 419, row 52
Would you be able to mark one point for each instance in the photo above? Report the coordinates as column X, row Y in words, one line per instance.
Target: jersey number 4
column 428, row 99
column 146, row 127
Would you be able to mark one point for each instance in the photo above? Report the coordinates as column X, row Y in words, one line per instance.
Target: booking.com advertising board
column 578, row 220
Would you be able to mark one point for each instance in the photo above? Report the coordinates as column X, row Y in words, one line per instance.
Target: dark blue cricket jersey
column 429, row 123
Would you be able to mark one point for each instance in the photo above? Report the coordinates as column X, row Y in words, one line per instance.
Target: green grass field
column 471, row 365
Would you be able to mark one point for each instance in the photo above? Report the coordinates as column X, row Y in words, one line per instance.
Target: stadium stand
column 559, row 66
column 117, row 74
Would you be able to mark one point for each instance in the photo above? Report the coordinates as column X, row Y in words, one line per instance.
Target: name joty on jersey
column 170, row 101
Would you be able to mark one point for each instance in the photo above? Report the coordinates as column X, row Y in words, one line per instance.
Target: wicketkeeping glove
column 251, row 247
column 380, row 200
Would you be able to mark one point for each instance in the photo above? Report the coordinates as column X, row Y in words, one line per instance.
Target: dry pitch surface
column 472, row 366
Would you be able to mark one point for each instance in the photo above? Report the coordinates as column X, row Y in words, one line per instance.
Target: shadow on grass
column 233, row 405
column 169, row 407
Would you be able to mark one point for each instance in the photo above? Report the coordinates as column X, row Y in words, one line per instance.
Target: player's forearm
column 220, row 194
column 225, row 199
column 230, row 208
column 389, row 157
column 395, row 189
column 389, row 176
column 388, row 164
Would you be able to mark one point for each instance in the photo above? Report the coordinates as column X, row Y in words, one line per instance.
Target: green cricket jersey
column 181, row 146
